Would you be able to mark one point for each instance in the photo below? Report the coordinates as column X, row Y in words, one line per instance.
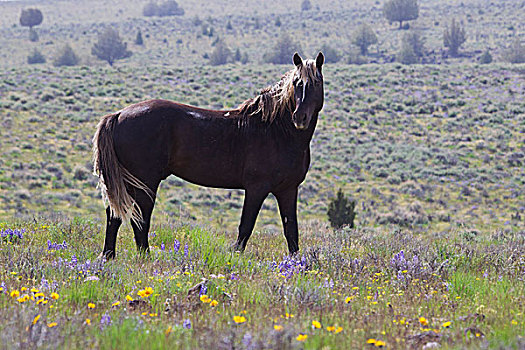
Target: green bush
column 331, row 55
column 453, row 37
column 363, row 37
column 36, row 57
column 110, row 47
column 283, row 50
column 66, row 57
column 515, row 53
column 485, row 58
column 412, row 48
column 341, row 211
column 221, row 54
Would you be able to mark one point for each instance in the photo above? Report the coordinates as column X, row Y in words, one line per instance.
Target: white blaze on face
column 304, row 89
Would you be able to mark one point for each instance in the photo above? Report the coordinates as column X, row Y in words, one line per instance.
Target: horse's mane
column 274, row 100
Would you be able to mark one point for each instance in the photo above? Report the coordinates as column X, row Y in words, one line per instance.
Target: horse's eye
column 300, row 83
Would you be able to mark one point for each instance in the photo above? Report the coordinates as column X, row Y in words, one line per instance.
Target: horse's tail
column 115, row 180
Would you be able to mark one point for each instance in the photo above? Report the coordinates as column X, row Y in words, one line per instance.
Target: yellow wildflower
column 116, row 303
column 15, row 294
column 87, row 321
column 129, row 298
column 446, row 324
column 52, row 324
column 302, row 337
column 23, row 289
column 35, row 320
column 153, row 314
column 168, row 331
column 423, row 321
column 277, row 327
column 348, row 299
column 214, row 303
column 379, row 344
column 330, row 328
column 316, row 324
column 91, row 306
column 239, row 319
column 205, row 299
column 514, row 322
column 371, row 341
column 39, row 295
column 54, row 296
column 338, row 330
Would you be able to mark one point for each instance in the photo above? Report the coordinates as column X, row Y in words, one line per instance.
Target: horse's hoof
column 236, row 248
column 109, row 255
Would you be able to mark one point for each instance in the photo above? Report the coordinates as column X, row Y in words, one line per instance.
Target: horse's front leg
column 253, row 199
column 287, row 201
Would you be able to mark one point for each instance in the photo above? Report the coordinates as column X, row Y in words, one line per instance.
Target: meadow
column 433, row 155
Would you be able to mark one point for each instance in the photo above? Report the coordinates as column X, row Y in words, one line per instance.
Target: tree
column 150, row 9
column 412, row 48
column 341, row 211
column 363, row 37
column 138, row 39
column 221, row 54
column 283, row 50
column 515, row 53
column 30, row 18
column 401, row 10
column 110, row 47
column 306, row 5
column 331, row 55
column 167, row 8
column 66, row 57
column 453, row 37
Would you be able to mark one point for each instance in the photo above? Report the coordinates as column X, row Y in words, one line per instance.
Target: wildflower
column 15, row 294
column 35, row 320
column 348, row 299
column 39, row 295
column 41, row 301
column 52, row 324
column 316, row 324
column 205, row 299
column 379, row 344
column 371, row 341
column 153, row 314
column 214, row 303
column 338, row 330
column 186, row 324
column 91, row 306
column 302, row 337
column 446, row 324
column 239, row 319
column 277, row 327
column 116, row 303
column 514, row 322
column 23, row 289
column 423, row 321
column 330, row 328
column 287, row 315
column 168, row 331
column 54, row 296
column 129, row 298
column 87, row 321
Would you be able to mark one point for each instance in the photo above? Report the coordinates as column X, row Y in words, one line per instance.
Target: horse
column 261, row 147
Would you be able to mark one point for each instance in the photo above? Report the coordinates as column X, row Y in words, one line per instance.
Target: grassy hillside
column 434, row 156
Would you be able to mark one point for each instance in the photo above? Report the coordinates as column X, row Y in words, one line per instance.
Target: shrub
column 33, row 35
column 412, row 48
column 221, row 54
column 485, row 58
column 341, row 211
column 138, row 39
column 306, row 5
column 453, row 37
column 283, row 50
column 36, row 57
column 167, row 8
column 363, row 37
column 331, row 55
column 515, row 53
column 66, row 57
column 110, row 47
column 401, row 10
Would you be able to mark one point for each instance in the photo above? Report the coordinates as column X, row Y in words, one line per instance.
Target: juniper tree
column 363, row 37
column 453, row 37
column 401, row 10
column 341, row 211
column 110, row 47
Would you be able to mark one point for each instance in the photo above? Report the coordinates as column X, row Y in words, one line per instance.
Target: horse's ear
column 297, row 60
column 319, row 61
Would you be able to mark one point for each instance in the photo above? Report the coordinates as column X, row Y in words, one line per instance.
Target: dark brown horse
column 263, row 147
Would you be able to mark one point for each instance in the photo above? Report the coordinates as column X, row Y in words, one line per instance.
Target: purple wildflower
column 186, row 324
column 176, row 245
column 105, row 321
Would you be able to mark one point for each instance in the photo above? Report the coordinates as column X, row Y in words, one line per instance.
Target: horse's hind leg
column 145, row 204
column 112, row 226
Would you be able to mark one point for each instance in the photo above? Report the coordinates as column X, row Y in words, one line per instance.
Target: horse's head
column 308, row 90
